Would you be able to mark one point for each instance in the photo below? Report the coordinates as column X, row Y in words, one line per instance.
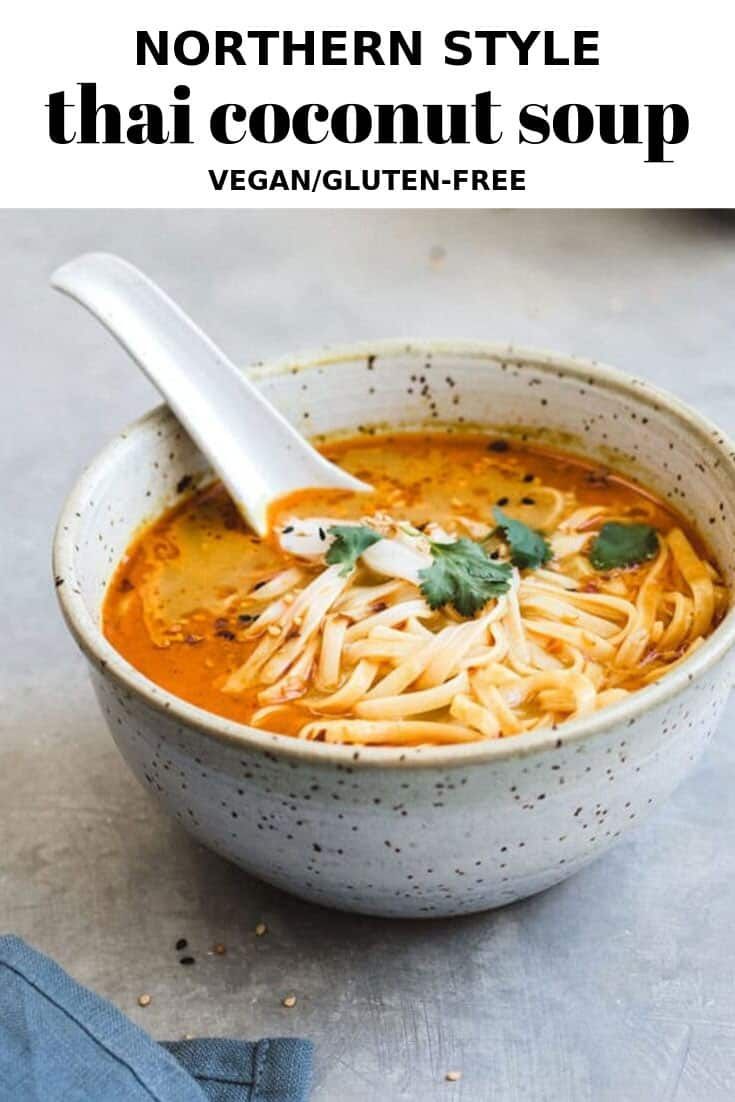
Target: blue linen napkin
column 59, row 1042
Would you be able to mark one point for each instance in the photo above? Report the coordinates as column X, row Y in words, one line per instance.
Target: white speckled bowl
column 413, row 832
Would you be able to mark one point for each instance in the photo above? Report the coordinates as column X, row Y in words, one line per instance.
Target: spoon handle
column 255, row 451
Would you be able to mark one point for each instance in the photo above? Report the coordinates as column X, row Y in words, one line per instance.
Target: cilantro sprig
column 619, row 545
column 528, row 548
column 350, row 540
column 462, row 575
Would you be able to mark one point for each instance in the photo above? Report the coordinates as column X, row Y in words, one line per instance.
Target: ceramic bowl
column 422, row 831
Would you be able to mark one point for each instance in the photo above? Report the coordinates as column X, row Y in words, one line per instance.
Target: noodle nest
column 366, row 660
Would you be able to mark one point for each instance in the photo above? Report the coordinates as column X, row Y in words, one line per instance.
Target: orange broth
column 202, row 553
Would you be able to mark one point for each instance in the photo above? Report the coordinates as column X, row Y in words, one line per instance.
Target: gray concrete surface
column 617, row 986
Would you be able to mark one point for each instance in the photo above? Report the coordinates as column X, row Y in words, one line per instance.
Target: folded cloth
column 59, row 1042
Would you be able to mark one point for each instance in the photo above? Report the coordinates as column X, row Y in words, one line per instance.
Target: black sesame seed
column 187, row 960
column 322, row 534
column 528, row 501
column 498, row 446
column 182, row 943
column 528, row 478
column 287, row 529
column 502, row 501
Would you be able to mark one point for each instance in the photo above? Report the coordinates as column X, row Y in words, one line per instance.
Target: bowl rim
column 102, row 654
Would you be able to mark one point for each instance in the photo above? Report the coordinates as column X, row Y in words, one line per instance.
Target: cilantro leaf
column 350, row 540
column 528, row 548
column 618, row 545
column 462, row 575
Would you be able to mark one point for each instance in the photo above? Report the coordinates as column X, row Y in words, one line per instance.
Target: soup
column 484, row 589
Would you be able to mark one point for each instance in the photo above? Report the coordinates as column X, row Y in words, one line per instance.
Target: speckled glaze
column 423, row 831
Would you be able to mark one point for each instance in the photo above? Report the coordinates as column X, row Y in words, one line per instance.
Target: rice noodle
column 395, row 732
column 413, row 704
column 354, row 689
column 330, row 656
column 697, row 578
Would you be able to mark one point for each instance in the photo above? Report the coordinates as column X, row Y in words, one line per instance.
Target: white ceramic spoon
column 255, row 451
